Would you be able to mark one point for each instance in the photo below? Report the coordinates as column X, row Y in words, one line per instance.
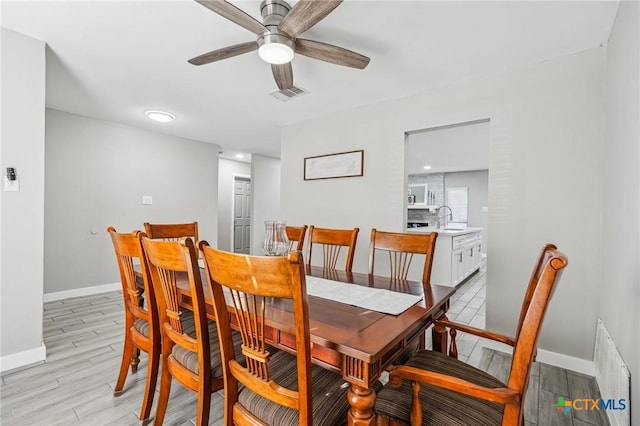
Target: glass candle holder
column 276, row 242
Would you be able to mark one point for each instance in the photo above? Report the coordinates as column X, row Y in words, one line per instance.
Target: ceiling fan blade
column 305, row 14
column 284, row 75
column 232, row 13
column 330, row 53
column 224, row 53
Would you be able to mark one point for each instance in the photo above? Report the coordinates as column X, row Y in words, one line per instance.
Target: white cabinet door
column 457, row 266
column 456, row 257
column 468, row 259
column 477, row 254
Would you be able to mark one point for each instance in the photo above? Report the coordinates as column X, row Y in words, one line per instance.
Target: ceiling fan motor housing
column 273, row 11
column 275, row 38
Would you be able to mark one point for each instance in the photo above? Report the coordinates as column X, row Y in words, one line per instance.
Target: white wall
column 227, row 170
column 265, row 176
column 546, row 146
column 96, row 175
column 22, row 224
column 619, row 289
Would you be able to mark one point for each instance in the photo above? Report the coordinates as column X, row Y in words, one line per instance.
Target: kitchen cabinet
column 466, row 259
column 458, row 254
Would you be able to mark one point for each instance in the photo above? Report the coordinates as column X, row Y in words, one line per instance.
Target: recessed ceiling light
column 427, row 167
column 160, row 116
column 239, row 156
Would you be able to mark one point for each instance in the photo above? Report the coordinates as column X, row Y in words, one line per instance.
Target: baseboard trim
column 85, row 291
column 21, row 359
column 567, row 362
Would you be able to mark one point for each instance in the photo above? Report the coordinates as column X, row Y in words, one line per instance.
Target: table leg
column 362, row 401
column 439, row 337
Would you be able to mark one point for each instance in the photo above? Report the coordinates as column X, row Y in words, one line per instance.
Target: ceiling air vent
column 288, row 94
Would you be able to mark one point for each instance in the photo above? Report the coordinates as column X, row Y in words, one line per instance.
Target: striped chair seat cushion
column 330, row 404
column 190, row 359
column 441, row 406
column 141, row 326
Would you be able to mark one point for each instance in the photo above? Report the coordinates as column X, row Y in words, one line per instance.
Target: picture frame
column 331, row 166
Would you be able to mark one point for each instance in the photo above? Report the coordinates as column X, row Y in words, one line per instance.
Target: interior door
column 242, row 215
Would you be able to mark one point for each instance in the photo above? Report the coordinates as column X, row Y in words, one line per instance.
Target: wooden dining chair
column 457, row 393
column 454, row 327
column 401, row 248
column 296, row 235
column 332, row 241
column 190, row 348
column 172, row 231
column 277, row 388
column 142, row 329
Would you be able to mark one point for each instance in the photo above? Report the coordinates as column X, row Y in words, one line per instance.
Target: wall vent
column 288, row 94
column 612, row 375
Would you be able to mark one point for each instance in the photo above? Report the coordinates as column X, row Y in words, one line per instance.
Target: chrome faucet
column 443, row 217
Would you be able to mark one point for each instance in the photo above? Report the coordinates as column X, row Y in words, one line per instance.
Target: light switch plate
column 485, row 209
column 11, row 185
column 147, row 199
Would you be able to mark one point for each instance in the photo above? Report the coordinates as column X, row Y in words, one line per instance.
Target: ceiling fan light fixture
column 275, row 49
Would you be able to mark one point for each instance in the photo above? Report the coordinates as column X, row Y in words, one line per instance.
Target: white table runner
column 375, row 299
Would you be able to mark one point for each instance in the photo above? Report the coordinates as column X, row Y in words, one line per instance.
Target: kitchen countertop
column 450, row 232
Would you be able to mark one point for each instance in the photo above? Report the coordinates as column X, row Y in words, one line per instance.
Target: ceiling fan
column 278, row 40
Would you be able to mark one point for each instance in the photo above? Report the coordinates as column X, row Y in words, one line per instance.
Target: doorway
column 452, row 164
column 242, row 192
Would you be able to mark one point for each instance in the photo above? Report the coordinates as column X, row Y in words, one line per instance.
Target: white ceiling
column 449, row 149
column 113, row 60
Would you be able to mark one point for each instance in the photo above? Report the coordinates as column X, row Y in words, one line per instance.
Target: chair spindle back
column 246, row 285
column 332, row 241
column 401, row 248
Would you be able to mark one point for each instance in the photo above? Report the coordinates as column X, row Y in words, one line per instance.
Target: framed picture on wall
column 330, row 166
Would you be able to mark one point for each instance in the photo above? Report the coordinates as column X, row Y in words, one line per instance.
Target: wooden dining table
column 355, row 342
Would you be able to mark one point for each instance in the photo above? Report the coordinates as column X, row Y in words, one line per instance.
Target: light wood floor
column 84, row 335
